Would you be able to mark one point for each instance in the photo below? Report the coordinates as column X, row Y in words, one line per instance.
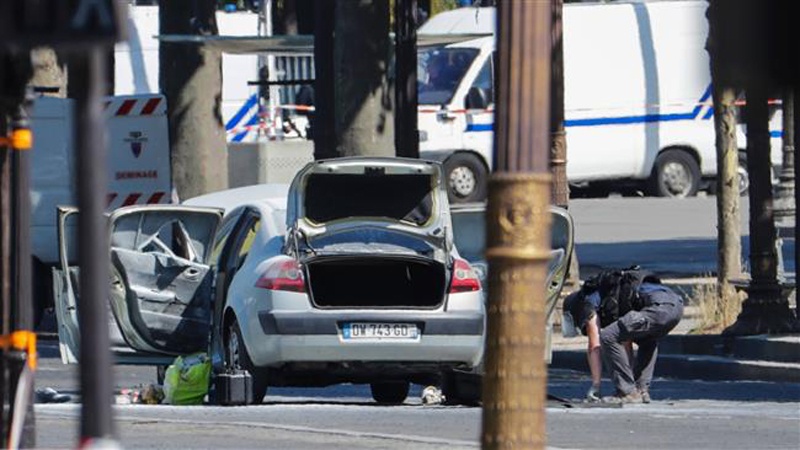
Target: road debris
column 432, row 395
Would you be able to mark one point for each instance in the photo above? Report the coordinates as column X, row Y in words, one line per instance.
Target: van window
column 485, row 80
column 439, row 72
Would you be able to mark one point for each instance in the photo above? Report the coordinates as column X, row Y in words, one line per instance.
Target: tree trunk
column 729, row 245
column 406, row 129
column 191, row 79
column 323, row 120
column 558, row 137
column 364, row 120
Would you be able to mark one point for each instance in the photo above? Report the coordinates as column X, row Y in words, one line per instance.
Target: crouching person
column 614, row 310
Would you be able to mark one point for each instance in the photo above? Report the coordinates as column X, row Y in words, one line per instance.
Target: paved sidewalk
column 705, row 356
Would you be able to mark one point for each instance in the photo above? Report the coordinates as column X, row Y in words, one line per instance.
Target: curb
column 773, row 348
column 698, row 367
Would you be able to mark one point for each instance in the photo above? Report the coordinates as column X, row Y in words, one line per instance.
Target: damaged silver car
column 349, row 275
column 361, row 285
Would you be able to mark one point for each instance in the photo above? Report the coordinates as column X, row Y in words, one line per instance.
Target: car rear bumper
column 289, row 337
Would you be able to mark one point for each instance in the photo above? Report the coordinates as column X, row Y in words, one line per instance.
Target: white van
column 138, row 168
column 638, row 101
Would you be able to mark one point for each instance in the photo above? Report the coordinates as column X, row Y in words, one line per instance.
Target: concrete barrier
column 267, row 162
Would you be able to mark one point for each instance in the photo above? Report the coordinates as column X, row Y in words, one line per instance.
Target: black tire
column 744, row 177
column 462, row 388
column 675, row 174
column 236, row 357
column 465, row 176
column 161, row 374
column 390, row 392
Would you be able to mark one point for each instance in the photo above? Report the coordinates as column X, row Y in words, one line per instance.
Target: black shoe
column 50, row 395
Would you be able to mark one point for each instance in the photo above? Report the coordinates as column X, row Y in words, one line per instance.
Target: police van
column 638, row 100
column 138, row 169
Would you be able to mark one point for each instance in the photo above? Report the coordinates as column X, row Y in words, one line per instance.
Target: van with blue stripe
column 638, row 107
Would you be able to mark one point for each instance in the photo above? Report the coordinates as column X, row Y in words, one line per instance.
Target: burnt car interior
column 405, row 197
column 158, row 268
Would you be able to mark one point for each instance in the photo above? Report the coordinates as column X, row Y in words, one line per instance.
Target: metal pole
column 796, row 130
column 766, row 309
column 5, row 275
column 18, row 362
column 763, row 259
column 518, row 231
column 784, row 192
column 406, row 137
column 93, row 259
column 22, row 309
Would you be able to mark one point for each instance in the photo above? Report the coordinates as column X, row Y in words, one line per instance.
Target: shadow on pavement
column 572, row 385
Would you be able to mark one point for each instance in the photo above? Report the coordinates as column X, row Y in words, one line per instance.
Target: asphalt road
column 673, row 237
column 684, row 414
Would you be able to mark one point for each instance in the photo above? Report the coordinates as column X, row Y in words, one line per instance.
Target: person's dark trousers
column 645, row 327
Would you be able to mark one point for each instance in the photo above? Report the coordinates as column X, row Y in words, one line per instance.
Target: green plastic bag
column 186, row 380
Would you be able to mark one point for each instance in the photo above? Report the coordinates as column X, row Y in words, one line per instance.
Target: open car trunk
column 372, row 233
column 376, row 282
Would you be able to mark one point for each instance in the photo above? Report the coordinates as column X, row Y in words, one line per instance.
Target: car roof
column 270, row 195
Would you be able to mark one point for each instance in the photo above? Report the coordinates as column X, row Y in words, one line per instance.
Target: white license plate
column 374, row 330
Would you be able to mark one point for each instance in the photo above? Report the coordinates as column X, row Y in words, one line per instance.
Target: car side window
column 221, row 239
column 243, row 237
column 251, row 229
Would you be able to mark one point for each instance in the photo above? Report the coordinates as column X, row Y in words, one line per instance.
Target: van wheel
column 390, row 392
column 676, row 174
column 744, row 177
column 466, row 178
column 236, row 357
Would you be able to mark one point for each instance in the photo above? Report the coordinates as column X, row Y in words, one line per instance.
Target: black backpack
column 619, row 291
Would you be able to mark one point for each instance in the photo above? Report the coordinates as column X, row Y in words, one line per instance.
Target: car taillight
column 464, row 278
column 283, row 276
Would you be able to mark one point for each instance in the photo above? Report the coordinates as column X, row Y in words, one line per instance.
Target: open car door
column 160, row 282
column 562, row 243
column 469, row 232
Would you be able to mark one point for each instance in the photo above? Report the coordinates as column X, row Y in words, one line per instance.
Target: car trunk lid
column 382, row 193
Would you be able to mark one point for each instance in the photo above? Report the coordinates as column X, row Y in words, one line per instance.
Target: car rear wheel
column 390, row 392
column 236, row 357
